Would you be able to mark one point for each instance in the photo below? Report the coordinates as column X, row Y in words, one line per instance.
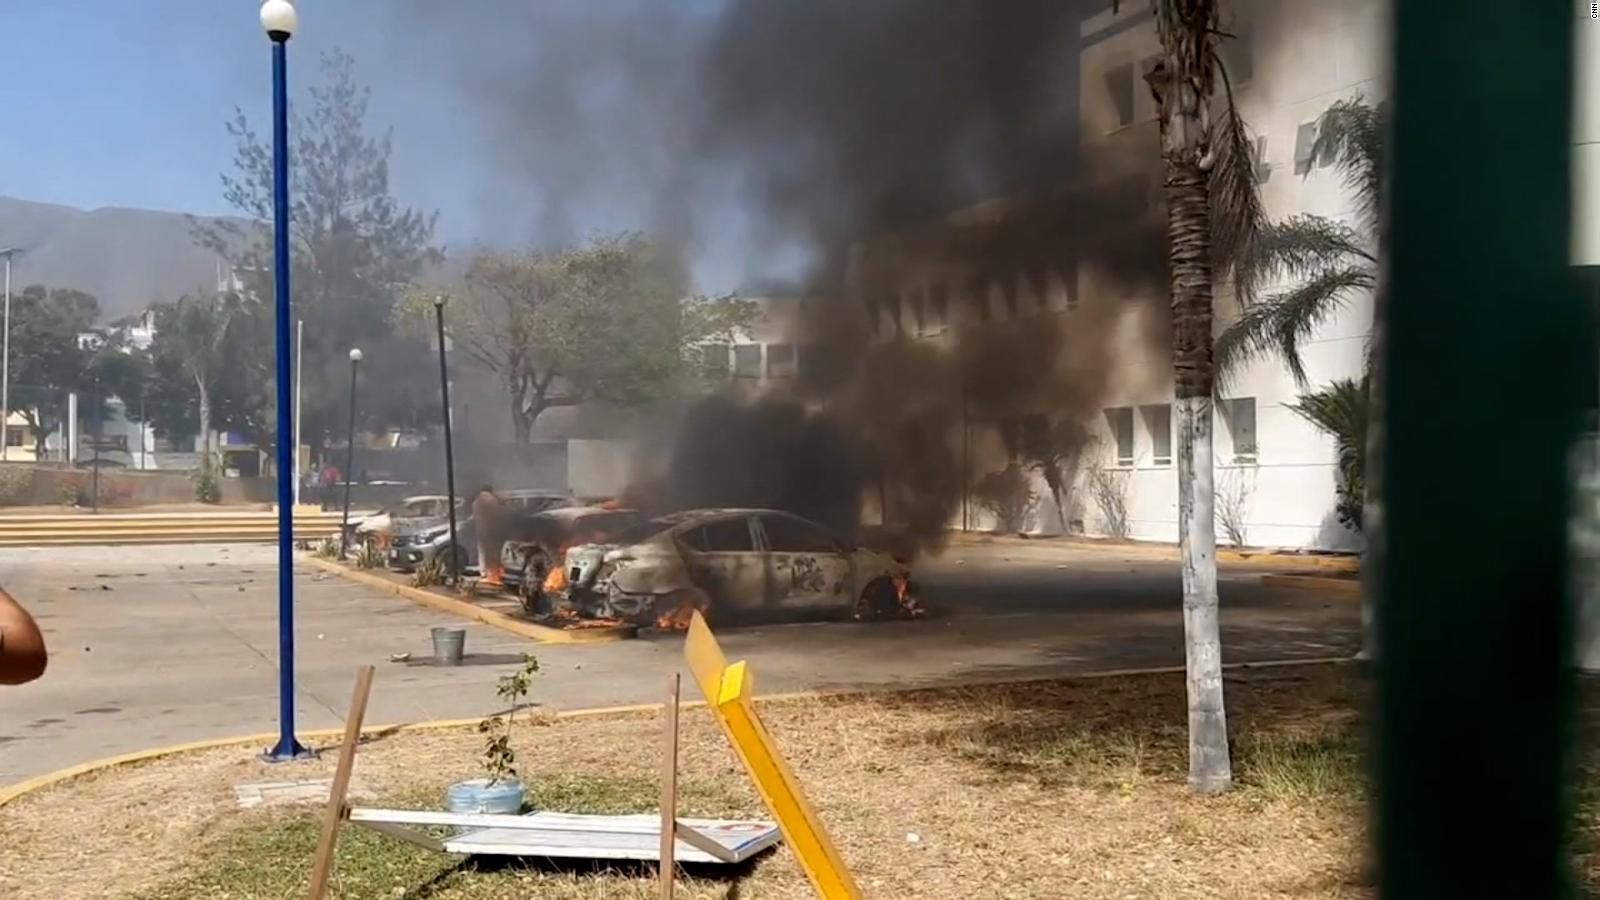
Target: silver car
column 733, row 563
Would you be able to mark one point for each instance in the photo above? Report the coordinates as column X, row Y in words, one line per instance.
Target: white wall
column 1305, row 55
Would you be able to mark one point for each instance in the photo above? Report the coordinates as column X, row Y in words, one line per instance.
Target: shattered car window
column 726, row 536
column 787, row 535
column 643, row 531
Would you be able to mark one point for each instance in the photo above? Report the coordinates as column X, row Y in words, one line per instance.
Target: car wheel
column 880, row 600
column 676, row 610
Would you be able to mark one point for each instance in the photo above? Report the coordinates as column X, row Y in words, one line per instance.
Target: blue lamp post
column 279, row 19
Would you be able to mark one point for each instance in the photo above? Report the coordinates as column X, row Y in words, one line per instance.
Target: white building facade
column 1289, row 61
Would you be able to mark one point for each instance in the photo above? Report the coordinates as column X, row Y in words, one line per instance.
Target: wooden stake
column 323, row 861
column 669, row 787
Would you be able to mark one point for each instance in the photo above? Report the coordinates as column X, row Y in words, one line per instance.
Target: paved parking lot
column 160, row 645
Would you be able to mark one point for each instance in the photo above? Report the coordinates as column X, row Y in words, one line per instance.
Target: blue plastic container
column 477, row 795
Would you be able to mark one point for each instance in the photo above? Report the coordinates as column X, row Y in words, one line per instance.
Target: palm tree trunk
column 1194, row 378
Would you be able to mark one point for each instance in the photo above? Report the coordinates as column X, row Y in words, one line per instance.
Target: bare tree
column 1109, row 490
column 1233, row 502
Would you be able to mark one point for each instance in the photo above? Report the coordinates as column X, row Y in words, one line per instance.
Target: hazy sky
column 110, row 103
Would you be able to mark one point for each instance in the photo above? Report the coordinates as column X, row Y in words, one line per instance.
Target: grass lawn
column 1025, row 791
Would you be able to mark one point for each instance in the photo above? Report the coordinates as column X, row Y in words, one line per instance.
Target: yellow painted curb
column 40, row 782
column 530, row 630
column 1313, row 582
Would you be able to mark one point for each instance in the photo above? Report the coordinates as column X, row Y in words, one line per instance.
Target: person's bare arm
column 22, row 653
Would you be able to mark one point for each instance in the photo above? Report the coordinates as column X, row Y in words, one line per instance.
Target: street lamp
column 350, row 454
column 5, row 361
column 449, row 447
column 279, row 20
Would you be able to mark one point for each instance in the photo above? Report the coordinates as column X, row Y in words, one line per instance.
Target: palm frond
column 1350, row 136
column 1341, row 410
column 1279, row 324
column 1302, row 245
column 1237, row 217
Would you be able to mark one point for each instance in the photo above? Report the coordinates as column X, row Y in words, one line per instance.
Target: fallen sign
column 575, row 836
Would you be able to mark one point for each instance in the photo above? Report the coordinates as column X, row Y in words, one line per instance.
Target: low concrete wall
column 34, row 484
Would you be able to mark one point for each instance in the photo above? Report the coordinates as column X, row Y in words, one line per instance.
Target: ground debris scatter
column 1057, row 789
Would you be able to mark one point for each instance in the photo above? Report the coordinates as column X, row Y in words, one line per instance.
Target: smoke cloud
column 824, row 144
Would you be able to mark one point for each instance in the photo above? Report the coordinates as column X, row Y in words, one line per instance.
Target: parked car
column 530, row 557
column 733, row 563
column 417, row 542
column 381, row 524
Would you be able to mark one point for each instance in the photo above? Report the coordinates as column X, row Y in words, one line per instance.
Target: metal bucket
column 448, row 646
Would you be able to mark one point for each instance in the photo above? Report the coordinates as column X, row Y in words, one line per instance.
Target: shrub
column 1110, row 492
column 1009, row 495
column 207, row 489
column 15, row 482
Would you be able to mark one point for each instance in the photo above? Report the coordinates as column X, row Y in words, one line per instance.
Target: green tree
column 1213, row 220
column 606, row 321
column 354, row 246
column 191, row 339
column 1324, row 261
column 48, row 359
column 1341, row 410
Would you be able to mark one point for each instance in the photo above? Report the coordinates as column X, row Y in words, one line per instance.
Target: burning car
column 534, row 559
column 733, row 563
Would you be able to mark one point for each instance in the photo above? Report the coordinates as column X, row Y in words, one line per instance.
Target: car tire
column 879, row 600
column 685, row 599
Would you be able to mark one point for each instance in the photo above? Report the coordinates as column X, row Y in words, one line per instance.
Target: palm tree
column 1342, row 411
column 1324, row 260
column 1214, row 221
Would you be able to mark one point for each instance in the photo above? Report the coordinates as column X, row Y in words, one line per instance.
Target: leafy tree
column 211, row 369
column 354, row 246
column 605, row 321
column 192, row 341
column 1214, row 219
column 48, row 361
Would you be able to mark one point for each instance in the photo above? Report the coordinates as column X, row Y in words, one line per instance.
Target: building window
column 1263, row 170
column 15, row 435
column 1120, row 420
column 747, row 360
column 1158, row 421
column 938, row 308
column 714, row 360
column 1305, row 138
column 1239, row 416
column 780, row 361
column 1119, row 84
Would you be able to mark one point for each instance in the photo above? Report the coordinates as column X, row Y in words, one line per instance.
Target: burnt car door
column 806, row 566
column 724, row 560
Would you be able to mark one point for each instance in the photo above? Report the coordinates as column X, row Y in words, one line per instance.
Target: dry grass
column 1041, row 791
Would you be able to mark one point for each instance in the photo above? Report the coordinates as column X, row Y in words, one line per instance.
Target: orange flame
column 902, row 590
column 556, row 581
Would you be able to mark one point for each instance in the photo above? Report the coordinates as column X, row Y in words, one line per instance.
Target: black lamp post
column 350, row 454
column 449, row 447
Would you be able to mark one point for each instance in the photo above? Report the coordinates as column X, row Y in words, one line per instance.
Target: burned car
column 416, row 542
column 732, row 564
column 534, row 558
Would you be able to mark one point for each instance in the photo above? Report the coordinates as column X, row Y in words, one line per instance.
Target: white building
column 1290, row 61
